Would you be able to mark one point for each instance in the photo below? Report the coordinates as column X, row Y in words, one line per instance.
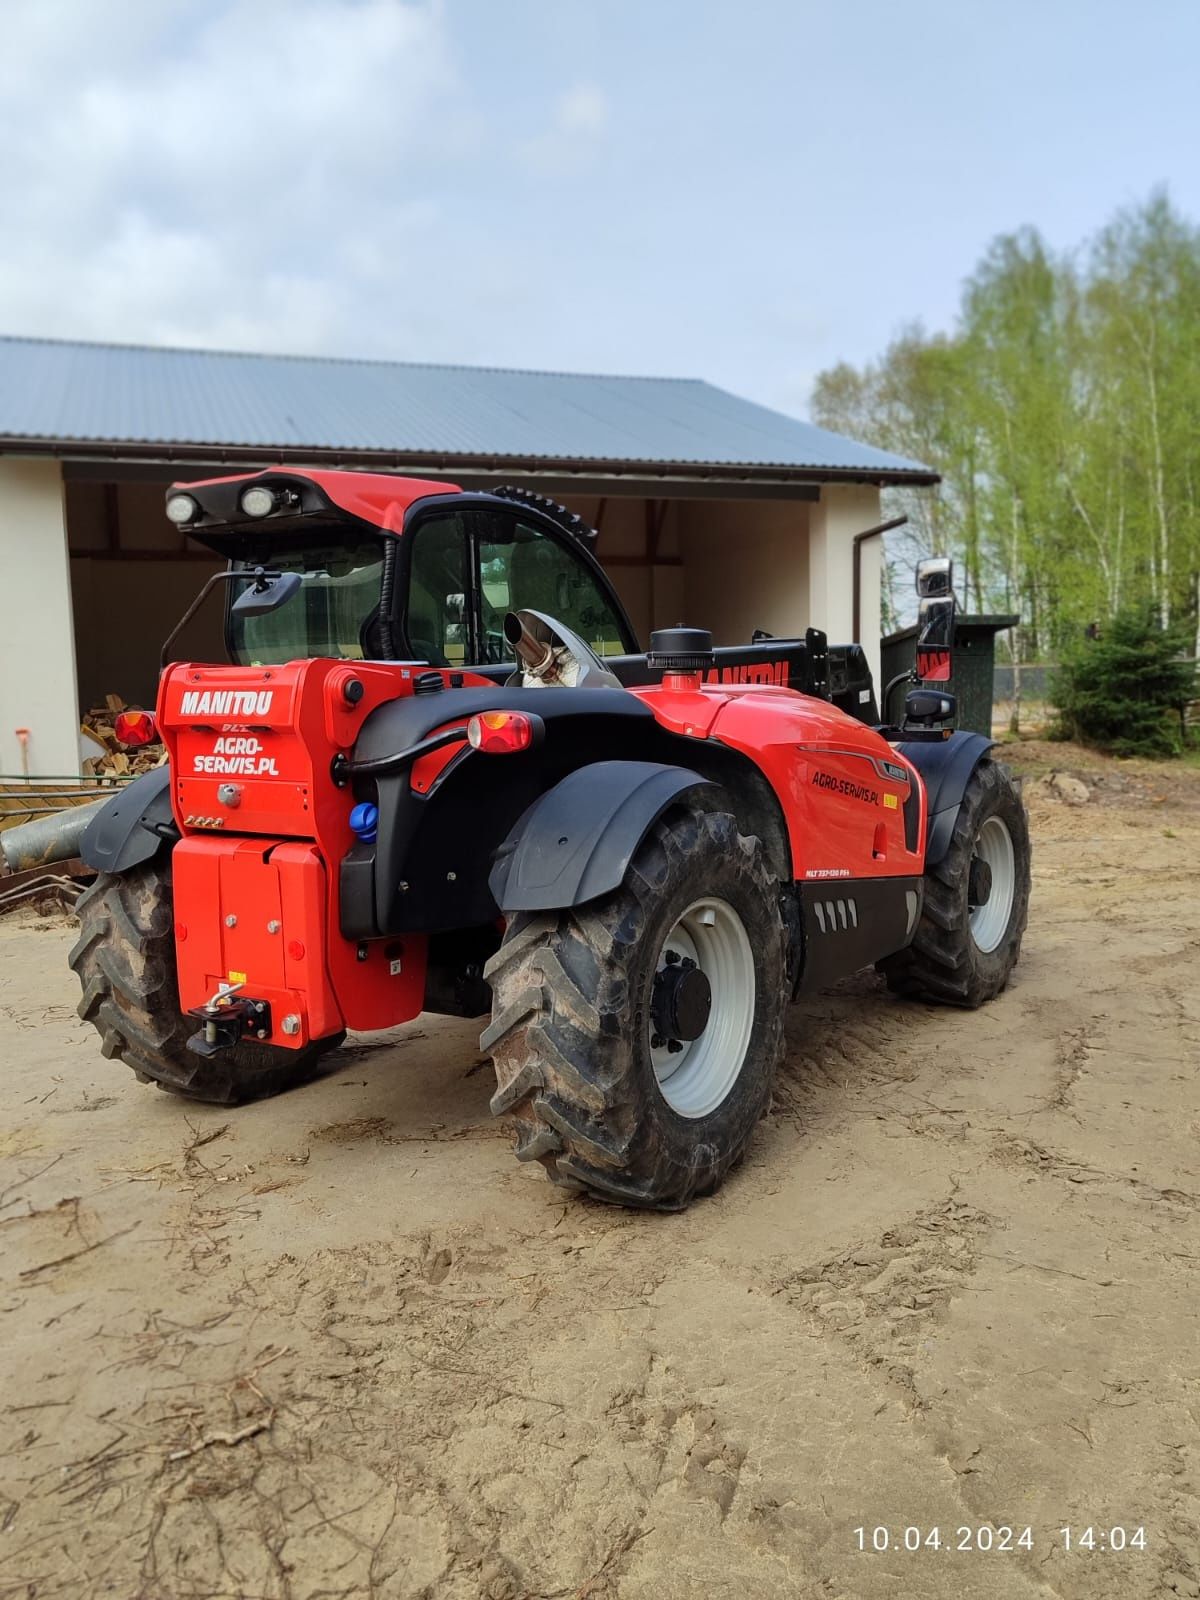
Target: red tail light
column 135, row 728
column 502, row 733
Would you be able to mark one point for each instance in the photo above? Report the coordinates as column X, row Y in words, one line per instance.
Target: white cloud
column 264, row 173
column 578, row 118
column 583, row 109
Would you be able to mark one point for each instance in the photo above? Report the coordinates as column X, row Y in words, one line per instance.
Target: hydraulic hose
column 344, row 768
column 387, row 590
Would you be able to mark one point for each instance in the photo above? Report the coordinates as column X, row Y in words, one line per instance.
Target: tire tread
column 942, row 964
column 562, row 1055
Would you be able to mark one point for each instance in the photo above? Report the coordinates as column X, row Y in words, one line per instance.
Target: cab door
column 436, row 603
column 518, row 565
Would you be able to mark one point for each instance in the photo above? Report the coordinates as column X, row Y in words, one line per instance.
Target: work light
column 258, row 501
column 182, row 508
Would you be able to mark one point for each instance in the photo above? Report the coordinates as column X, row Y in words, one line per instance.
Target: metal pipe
column 69, row 781
column 859, row 540
column 67, row 796
column 66, row 890
column 49, row 839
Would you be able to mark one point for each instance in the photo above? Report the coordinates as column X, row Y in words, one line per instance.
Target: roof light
column 134, row 728
column 182, row 508
column 258, row 501
column 502, row 733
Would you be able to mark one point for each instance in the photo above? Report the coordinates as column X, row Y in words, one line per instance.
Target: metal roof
column 137, row 399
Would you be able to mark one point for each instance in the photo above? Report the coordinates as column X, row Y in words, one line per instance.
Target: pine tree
column 1125, row 690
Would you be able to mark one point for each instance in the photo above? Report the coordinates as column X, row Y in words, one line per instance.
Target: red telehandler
column 438, row 774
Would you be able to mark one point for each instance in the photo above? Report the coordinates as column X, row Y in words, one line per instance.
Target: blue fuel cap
column 364, row 819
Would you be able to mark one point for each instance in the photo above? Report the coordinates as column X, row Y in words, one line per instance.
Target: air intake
column 680, row 650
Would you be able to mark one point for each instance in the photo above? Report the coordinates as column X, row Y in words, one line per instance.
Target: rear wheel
column 976, row 901
column 125, row 960
column 635, row 1039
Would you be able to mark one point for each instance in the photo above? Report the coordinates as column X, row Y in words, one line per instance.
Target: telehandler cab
column 438, row 774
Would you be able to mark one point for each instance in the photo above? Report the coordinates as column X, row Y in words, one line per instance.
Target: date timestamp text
column 985, row 1538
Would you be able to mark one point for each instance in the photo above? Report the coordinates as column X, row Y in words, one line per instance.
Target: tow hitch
column 228, row 1018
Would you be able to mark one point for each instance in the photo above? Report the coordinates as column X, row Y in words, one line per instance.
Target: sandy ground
column 342, row 1344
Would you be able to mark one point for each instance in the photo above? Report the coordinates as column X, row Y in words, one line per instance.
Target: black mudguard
column 945, row 767
column 132, row 826
column 576, row 841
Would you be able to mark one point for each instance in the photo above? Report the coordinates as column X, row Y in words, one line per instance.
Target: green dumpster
column 972, row 668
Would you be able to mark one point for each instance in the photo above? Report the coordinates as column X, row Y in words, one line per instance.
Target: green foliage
column 1123, row 691
column 1061, row 413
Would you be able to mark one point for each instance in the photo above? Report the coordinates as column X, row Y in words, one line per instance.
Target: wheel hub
column 979, row 883
column 681, row 999
column 991, row 884
column 700, row 1013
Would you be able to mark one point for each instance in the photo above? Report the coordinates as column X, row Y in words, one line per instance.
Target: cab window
column 436, row 622
column 522, row 567
column 331, row 615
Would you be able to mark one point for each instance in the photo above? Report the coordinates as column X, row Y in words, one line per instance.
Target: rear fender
column 576, row 841
column 133, row 826
column 945, row 767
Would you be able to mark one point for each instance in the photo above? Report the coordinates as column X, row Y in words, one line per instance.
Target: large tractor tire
column 635, row 1039
column 125, row 960
column 976, row 903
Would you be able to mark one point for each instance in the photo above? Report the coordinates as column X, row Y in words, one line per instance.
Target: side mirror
column 935, row 577
column 270, row 590
column 936, row 640
column 456, row 609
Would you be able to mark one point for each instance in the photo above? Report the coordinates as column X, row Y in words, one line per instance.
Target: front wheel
column 976, row 904
column 635, row 1039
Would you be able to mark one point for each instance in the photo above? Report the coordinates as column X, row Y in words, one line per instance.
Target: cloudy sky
column 746, row 191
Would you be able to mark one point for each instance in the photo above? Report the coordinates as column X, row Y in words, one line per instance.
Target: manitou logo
column 750, row 672
column 227, row 702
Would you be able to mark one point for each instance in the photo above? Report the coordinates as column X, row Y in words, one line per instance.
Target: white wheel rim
column 989, row 923
column 697, row 1078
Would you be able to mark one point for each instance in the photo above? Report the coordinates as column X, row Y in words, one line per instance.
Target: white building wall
column 745, row 566
column 37, row 639
column 843, row 511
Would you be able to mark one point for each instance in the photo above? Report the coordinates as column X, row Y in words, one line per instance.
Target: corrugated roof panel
column 127, row 394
